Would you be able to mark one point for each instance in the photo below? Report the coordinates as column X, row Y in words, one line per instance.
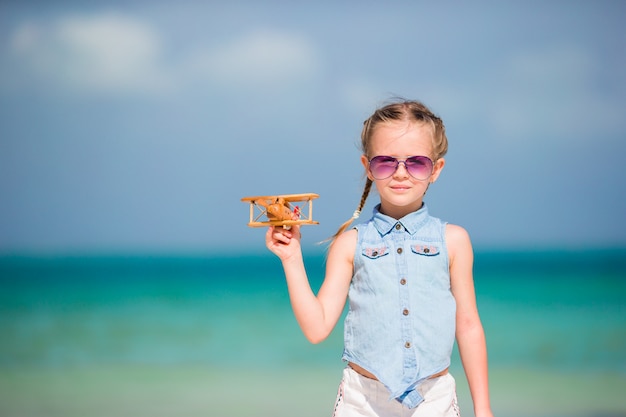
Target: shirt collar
column 412, row 222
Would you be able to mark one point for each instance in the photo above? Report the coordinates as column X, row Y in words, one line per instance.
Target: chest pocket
column 375, row 252
column 425, row 250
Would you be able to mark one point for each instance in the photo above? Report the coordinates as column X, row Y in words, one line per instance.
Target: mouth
column 400, row 188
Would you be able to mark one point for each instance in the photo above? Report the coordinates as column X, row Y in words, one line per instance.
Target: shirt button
column 398, row 226
column 403, row 281
column 399, row 251
column 405, row 312
column 407, row 345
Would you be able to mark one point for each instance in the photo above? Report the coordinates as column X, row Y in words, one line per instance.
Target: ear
column 437, row 169
column 366, row 164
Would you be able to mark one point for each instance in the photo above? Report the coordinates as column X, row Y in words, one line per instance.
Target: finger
column 283, row 236
column 295, row 231
column 279, row 235
column 273, row 236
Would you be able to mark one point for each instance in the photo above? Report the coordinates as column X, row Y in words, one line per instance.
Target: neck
column 399, row 212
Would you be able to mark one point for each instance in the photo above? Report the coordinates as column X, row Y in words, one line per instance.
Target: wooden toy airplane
column 279, row 210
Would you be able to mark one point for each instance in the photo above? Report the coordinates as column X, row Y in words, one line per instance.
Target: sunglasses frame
column 398, row 161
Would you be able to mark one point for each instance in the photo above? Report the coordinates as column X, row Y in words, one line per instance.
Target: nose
column 402, row 174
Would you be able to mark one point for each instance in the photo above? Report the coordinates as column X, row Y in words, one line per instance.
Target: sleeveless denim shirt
column 401, row 320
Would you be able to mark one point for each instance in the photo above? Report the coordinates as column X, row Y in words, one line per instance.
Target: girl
column 407, row 276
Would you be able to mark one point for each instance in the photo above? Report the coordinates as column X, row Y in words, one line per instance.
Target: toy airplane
column 279, row 210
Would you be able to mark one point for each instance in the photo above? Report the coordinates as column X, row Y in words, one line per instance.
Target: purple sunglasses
column 383, row 167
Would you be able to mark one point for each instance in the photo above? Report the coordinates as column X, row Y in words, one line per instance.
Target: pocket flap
column 375, row 252
column 426, row 250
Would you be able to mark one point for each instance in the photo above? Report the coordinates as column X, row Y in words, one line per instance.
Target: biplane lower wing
column 281, row 210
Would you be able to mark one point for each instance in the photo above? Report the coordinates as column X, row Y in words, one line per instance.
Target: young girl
column 407, row 276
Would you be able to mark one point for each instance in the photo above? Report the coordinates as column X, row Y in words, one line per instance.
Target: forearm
column 307, row 308
column 473, row 351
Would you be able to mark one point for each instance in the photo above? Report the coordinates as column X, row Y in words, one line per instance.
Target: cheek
column 381, row 184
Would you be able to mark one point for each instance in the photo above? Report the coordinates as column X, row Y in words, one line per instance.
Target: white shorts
column 360, row 396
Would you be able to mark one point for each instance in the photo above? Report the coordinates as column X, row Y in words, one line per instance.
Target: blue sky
column 138, row 126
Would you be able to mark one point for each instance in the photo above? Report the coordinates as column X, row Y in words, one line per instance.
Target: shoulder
column 344, row 245
column 346, row 242
column 456, row 234
column 340, row 259
column 458, row 242
column 461, row 260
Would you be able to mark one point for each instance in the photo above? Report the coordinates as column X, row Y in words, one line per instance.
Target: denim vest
column 402, row 317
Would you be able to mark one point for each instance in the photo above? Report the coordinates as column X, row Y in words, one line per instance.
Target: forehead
column 402, row 138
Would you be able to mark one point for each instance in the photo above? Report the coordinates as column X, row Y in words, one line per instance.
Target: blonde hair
column 399, row 110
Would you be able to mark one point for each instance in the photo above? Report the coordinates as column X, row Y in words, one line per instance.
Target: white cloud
column 114, row 52
column 257, row 59
column 94, row 53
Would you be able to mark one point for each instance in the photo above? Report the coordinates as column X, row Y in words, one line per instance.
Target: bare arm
column 318, row 314
column 470, row 335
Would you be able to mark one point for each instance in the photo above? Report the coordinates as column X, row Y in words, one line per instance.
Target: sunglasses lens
column 420, row 167
column 383, row 167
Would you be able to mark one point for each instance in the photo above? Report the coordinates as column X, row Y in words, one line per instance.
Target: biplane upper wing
column 287, row 197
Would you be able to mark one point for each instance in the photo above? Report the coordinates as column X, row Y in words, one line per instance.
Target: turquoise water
column 214, row 321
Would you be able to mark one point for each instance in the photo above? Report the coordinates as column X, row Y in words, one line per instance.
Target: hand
column 284, row 243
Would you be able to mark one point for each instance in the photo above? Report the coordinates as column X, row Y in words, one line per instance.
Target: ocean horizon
column 214, row 335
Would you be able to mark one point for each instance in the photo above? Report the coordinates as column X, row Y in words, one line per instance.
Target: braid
column 357, row 212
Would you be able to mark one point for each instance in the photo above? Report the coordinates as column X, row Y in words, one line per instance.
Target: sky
column 139, row 126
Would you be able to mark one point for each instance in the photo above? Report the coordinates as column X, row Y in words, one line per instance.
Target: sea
column 214, row 335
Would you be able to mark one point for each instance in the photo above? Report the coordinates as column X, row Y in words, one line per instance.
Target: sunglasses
column 383, row 167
